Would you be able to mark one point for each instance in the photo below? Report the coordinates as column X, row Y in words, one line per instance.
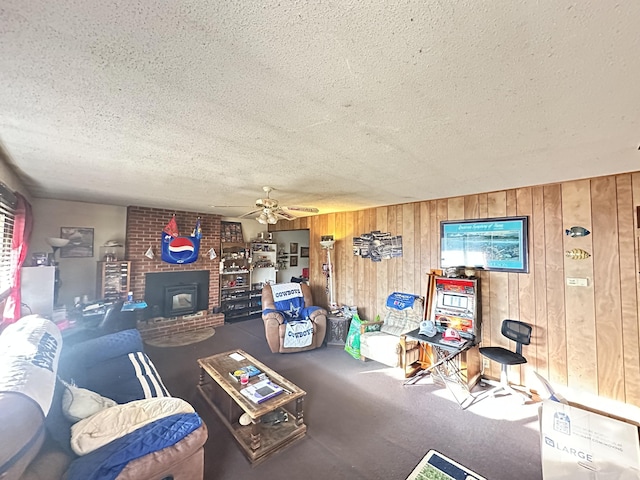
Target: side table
column 337, row 329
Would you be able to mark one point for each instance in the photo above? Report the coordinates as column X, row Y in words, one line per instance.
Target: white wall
column 77, row 275
column 283, row 239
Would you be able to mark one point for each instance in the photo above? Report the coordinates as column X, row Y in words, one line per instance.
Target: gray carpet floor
column 363, row 423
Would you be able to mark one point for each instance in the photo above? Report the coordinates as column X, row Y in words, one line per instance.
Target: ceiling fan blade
column 285, row 215
column 301, row 209
column 252, row 212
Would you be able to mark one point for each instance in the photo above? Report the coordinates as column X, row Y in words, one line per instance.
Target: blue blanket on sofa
column 289, row 301
column 108, row 461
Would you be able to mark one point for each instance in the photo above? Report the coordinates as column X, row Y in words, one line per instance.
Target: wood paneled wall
column 585, row 338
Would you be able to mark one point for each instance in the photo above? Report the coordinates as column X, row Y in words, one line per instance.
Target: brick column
column 144, row 230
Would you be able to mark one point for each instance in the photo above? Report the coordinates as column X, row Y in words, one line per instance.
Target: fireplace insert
column 180, row 300
column 171, row 294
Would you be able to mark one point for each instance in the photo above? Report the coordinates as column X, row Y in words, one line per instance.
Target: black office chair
column 520, row 333
column 113, row 321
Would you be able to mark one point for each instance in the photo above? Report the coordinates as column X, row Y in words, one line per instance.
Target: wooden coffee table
column 222, row 392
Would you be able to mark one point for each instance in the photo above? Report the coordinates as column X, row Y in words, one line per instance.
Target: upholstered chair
column 292, row 303
column 385, row 341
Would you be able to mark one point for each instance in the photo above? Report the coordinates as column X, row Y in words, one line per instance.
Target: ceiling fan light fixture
column 270, row 211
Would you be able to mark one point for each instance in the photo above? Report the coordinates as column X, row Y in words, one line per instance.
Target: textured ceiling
column 339, row 105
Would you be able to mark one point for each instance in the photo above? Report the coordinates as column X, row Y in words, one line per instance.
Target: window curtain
column 23, row 224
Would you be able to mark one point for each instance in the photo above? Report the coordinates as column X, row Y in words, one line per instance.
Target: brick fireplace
column 144, row 229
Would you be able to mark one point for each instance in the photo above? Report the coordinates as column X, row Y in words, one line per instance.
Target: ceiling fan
column 270, row 210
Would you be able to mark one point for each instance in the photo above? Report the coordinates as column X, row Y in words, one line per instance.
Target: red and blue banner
column 177, row 249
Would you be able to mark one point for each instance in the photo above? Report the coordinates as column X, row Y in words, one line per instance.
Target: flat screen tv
column 498, row 244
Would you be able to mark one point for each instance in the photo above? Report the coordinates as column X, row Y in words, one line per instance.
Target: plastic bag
column 352, row 344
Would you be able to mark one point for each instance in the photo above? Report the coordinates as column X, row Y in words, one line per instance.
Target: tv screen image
column 455, row 301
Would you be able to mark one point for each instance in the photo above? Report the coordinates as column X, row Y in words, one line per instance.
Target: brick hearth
column 144, row 228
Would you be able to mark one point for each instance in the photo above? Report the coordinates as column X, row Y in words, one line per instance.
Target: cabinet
column 238, row 300
column 264, row 262
column 113, row 280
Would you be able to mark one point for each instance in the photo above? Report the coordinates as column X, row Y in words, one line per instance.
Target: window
column 7, row 262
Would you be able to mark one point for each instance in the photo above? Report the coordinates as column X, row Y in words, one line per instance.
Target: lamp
column 327, row 242
column 56, row 244
column 267, row 217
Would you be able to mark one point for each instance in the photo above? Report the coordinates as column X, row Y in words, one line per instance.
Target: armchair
column 385, row 341
column 285, row 304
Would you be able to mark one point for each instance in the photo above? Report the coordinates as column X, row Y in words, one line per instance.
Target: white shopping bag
column 583, row 445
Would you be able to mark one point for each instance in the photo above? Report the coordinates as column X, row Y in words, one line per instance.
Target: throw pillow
column 79, row 403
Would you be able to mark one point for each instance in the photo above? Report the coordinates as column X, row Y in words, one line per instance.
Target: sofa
column 92, row 410
column 289, row 315
column 385, row 341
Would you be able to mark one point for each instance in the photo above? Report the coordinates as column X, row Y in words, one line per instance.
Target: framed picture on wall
column 498, row 244
column 80, row 242
column 304, row 252
column 293, row 261
column 293, row 248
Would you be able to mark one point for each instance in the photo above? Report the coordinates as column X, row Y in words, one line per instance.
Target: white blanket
column 29, row 354
column 298, row 334
column 286, row 291
column 112, row 423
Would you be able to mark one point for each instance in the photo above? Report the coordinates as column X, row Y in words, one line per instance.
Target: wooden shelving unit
column 264, row 263
column 238, row 300
column 113, row 280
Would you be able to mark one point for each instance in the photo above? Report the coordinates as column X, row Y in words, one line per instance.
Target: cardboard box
column 579, row 442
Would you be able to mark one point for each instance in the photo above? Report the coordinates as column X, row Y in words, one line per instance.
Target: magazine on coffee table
column 261, row 391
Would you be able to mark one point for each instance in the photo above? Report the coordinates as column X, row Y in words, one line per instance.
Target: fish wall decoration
column 577, row 254
column 577, row 232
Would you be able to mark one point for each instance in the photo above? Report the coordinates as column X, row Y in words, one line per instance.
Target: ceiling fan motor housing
column 271, row 211
column 266, row 203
